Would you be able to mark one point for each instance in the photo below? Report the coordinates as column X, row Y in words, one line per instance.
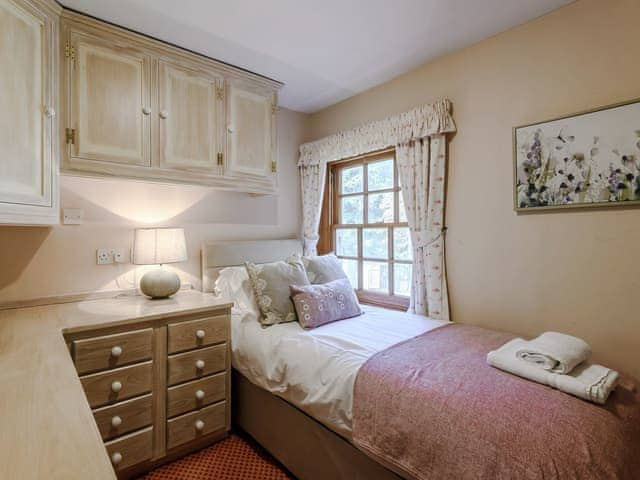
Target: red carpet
column 231, row 459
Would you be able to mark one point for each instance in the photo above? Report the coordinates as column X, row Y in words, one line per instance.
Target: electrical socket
column 104, row 256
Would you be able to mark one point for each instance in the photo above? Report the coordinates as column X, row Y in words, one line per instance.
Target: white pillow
column 233, row 284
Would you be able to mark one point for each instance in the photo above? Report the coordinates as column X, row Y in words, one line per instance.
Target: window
column 365, row 219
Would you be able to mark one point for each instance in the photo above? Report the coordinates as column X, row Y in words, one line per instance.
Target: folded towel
column 588, row 381
column 556, row 352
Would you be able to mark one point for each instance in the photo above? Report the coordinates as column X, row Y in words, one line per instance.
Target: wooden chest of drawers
column 159, row 388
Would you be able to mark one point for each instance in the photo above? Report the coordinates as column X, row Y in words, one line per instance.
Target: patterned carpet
column 235, row 458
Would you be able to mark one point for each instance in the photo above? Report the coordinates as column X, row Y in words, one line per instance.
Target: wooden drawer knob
column 200, row 394
column 116, row 458
column 199, row 364
column 116, row 386
column 200, row 334
column 199, row 425
column 116, row 421
column 116, row 351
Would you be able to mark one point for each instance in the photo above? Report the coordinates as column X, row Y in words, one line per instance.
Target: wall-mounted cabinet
column 134, row 107
column 28, row 124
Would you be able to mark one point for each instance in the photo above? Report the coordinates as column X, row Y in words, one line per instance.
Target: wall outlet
column 104, row 256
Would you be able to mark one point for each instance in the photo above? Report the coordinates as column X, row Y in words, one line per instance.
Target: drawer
column 112, row 351
column 131, row 449
column 197, row 333
column 197, row 394
column 119, row 384
column 196, row 364
column 193, row 425
column 125, row 417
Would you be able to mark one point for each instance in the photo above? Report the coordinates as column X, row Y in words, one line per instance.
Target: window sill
column 385, row 301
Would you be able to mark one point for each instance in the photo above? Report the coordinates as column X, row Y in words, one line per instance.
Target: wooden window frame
column 330, row 218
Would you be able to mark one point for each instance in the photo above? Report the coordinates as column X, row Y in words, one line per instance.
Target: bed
column 294, row 393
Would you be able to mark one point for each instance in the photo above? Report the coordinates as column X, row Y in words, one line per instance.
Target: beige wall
column 577, row 272
column 38, row 262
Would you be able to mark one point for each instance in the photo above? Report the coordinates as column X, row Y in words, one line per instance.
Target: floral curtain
column 312, row 178
column 419, row 138
column 421, row 170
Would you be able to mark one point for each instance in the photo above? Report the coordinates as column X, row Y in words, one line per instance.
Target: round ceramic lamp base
column 159, row 283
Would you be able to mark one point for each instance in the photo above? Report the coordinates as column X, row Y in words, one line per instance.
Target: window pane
column 402, row 279
column 375, row 243
column 350, row 267
column 375, row 276
column 380, row 208
column 351, row 209
column 351, row 180
column 380, row 175
column 347, row 242
column 402, row 213
column 401, row 244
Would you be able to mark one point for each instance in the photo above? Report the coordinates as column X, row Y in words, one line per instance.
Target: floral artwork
column 589, row 159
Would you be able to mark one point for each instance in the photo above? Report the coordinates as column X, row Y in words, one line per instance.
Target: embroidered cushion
column 324, row 268
column 270, row 283
column 320, row 304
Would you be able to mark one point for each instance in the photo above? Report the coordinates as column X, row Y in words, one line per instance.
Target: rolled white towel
column 555, row 352
column 587, row 381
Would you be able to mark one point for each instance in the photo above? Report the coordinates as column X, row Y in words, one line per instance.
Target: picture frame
column 587, row 159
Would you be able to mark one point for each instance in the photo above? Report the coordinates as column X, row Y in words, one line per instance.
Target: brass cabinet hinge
column 70, row 51
column 274, row 167
column 220, row 159
column 70, row 135
column 220, row 93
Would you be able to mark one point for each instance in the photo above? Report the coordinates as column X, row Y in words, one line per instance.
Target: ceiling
column 324, row 51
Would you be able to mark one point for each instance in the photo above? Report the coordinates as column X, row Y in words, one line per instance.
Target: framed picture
column 587, row 159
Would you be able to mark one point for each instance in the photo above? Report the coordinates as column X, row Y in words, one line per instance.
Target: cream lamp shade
column 153, row 246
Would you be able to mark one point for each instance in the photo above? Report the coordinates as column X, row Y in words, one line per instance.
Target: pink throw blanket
column 431, row 408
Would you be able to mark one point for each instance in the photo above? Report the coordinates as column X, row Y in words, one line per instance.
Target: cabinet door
column 188, row 118
column 26, row 110
column 111, row 108
column 250, row 132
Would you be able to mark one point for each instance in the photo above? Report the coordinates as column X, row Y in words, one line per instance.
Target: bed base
column 308, row 449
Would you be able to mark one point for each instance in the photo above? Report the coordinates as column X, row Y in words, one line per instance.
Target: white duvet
column 316, row 369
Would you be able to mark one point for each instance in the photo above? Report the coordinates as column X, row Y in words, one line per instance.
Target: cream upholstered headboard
column 218, row 255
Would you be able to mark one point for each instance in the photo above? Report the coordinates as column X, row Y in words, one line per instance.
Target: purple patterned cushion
column 324, row 303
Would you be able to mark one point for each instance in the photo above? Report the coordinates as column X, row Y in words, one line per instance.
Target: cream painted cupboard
column 28, row 105
column 135, row 107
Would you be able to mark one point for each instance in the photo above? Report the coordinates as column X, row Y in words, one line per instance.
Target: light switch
column 72, row 216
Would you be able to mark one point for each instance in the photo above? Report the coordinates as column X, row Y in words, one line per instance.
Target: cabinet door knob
column 199, row 425
column 199, row 364
column 200, row 394
column 164, row 114
column 230, row 128
column 116, row 458
column 146, row 110
column 200, row 334
column 49, row 112
column 116, row 421
column 116, row 386
column 116, row 351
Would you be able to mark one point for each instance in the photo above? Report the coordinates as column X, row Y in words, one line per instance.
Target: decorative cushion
column 270, row 283
column 323, row 269
column 320, row 304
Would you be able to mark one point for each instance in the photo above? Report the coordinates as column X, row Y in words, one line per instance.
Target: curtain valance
column 420, row 122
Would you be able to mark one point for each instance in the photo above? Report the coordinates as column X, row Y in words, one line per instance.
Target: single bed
column 294, row 392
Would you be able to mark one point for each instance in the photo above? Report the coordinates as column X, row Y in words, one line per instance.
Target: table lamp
column 157, row 246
